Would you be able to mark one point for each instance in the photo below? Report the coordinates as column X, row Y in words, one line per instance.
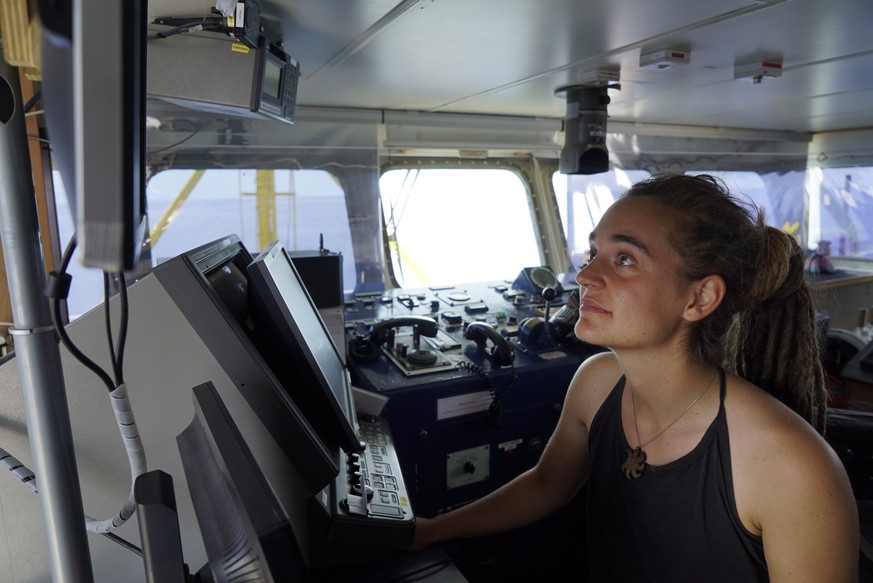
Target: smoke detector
column 756, row 71
column 664, row 59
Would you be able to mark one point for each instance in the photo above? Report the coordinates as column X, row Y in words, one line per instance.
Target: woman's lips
column 591, row 307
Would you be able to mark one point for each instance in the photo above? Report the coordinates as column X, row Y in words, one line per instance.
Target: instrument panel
column 474, row 374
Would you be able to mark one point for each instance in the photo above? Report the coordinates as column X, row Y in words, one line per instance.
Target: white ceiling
column 509, row 56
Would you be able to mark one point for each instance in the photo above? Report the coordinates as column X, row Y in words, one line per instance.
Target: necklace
column 636, row 457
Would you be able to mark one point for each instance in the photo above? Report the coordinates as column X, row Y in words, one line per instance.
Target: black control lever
column 549, row 294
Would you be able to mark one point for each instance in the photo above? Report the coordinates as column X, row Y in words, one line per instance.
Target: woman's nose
column 586, row 276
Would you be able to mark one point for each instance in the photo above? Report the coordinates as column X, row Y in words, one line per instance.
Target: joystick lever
column 549, row 294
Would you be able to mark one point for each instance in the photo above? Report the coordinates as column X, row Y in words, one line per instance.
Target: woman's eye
column 624, row 260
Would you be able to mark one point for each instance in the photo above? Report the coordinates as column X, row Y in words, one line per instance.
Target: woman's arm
column 548, row 486
column 807, row 514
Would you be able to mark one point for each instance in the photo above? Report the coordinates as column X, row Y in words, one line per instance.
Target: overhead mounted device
column 214, row 72
column 664, row 59
column 584, row 150
column 756, row 71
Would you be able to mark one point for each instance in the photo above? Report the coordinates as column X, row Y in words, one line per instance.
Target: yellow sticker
column 239, row 48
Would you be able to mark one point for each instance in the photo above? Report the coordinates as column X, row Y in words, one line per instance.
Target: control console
column 475, row 377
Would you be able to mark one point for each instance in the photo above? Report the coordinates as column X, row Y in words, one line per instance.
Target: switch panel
column 468, row 466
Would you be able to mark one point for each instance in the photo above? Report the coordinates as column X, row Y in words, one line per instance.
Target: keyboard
column 368, row 511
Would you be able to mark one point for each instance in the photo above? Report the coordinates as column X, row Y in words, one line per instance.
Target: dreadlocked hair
column 764, row 330
column 757, row 349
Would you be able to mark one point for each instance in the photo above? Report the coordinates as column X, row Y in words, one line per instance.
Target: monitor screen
column 296, row 343
column 210, row 286
column 272, row 78
column 247, row 535
column 94, row 87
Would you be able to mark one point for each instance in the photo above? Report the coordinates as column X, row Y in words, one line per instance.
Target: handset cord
column 57, row 289
column 495, row 410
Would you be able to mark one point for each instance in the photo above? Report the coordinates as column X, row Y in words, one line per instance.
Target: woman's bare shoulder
column 594, row 380
column 760, row 422
column 790, row 487
column 775, row 448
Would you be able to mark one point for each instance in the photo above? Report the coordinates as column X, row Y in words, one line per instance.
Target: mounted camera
column 584, row 150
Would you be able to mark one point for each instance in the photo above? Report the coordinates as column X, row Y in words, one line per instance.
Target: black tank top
column 677, row 522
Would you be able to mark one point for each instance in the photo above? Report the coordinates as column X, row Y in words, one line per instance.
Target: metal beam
column 38, row 354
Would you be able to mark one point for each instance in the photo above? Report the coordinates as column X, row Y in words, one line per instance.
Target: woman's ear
column 707, row 296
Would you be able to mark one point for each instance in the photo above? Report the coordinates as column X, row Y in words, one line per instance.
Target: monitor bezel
column 186, row 279
column 239, row 504
column 333, row 407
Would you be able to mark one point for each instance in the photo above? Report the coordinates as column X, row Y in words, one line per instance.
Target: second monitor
column 297, row 345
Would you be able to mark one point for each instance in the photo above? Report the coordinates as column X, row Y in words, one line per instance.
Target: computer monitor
column 293, row 338
column 94, row 90
column 210, row 287
column 246, row 532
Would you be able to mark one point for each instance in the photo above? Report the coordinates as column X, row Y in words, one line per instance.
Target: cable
column 208, row 24
column 57, row 289
column 108, row 318
column 135, row 455
column 32, row 101
column 117, row 354
column 494, row 409
column 122, row 334
column 182, row 141
column 28, row 479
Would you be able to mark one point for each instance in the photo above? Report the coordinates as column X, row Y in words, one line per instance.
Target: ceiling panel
column 509, row 56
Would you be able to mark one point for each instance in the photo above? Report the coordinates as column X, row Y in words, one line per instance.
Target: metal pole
column 38, row 354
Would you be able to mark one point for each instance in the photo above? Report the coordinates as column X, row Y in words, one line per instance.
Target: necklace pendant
column 634, row 464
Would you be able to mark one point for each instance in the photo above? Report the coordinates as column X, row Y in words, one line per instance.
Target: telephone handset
column 501, row 352
column 366, row 348
column 422, row 325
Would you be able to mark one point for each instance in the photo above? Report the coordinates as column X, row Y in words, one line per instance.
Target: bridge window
column 447, row 226
column 297, row 206
column 187, row 209
column 779, row 195
column 582, row 200
column 840, row 207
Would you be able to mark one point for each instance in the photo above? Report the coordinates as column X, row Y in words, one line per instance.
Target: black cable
column 59, row 325
column 32, row 101
column 108, row 319
column 122, row 334
column 182, row 141
column 65, row 339
column 494, row 409
column 68, row 254
column 185, row 27
column 125, row 543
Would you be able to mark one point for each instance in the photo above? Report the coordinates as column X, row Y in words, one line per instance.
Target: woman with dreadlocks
column 699, row 432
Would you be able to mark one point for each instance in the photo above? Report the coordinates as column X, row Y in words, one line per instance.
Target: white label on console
column 510, row 445
column 463, row 405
